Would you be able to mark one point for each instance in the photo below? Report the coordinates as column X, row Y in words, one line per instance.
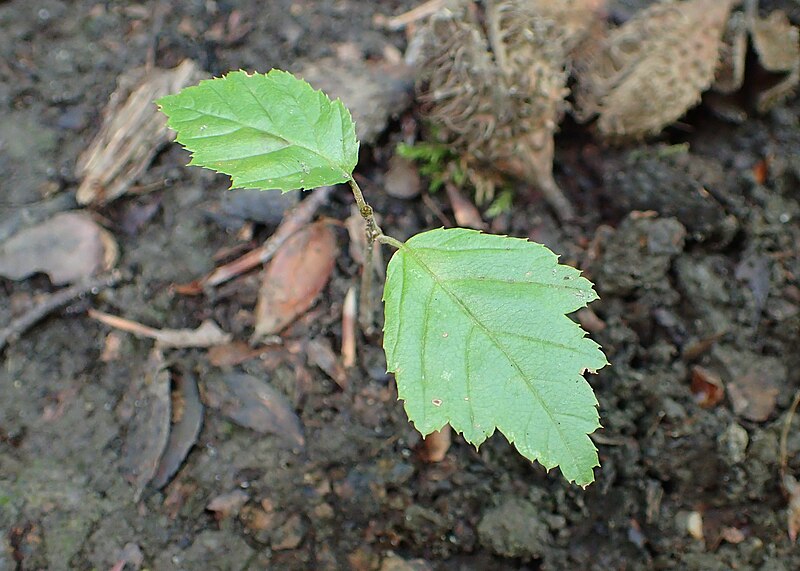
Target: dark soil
column 695, row 256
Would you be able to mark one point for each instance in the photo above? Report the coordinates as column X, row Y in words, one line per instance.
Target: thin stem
column 383, row 239
column 374, row 232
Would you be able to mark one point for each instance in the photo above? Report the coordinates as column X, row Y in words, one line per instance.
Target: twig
column 415, row 14
column 51, row 302
column 349, row 328
column 298, row 217
column 208, row 334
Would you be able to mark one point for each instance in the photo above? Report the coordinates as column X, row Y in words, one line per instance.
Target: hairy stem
column 374, row 232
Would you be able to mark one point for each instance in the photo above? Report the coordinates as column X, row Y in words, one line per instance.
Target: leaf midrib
column 243, row 125
column 498, row 344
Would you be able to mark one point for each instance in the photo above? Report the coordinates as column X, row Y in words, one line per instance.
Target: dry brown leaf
column 707, row 387
column 149, row 429
column 207, row 334
column 254, row 404
column 320, row 353
column 647, row 73
column 187, row 413
column 68, row 247
column 133, row 130
column 465, row 213
column 233, row 353
column 294, row 278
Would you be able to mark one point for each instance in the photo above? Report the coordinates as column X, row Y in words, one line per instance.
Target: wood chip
column 132, row 133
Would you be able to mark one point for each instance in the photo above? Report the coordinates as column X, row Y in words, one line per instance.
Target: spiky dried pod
column 650, row 71
column 494, row 83
column 458, row 81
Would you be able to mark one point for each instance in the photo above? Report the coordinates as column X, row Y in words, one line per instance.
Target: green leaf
column 270, row 131
column 477, row 336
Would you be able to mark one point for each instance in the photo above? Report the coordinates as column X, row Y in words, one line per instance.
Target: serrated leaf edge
column 395, row 368
column 337, row 103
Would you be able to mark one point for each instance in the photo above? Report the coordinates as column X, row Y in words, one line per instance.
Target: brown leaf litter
column 253, row 403
column 69, row 247
column 150, row 424
column 295, row 277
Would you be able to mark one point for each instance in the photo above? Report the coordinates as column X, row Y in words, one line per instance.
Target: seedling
column 475, row 327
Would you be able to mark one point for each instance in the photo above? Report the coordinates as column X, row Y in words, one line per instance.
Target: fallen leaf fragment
column 233, row 353
column 320, row 353
column 207, row 334
column 754, row 381
column 149, row 429
column 753, row 396
column 294, row 278
column 253, row 403
column 707, row 387
column 464, row 210
column 186, row 424
column 133, row 130
column 793, row 510
column 68, row 247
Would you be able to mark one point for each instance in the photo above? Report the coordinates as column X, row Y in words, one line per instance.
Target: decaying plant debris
column 133, row 131
column 647, row 73
column 777, row 46
column 493, row 81
column 493, row 84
